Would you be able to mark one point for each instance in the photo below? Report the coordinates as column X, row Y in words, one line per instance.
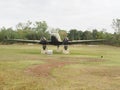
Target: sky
column 63, row 14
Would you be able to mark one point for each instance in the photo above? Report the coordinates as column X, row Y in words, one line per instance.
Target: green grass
column 89, row 73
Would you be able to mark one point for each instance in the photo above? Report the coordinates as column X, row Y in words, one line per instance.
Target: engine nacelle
column 65, row 43
column 43, row 41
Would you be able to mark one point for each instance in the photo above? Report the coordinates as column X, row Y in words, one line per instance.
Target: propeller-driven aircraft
column 55, row 40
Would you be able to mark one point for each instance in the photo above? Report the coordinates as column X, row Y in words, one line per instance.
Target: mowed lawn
column 94, row 67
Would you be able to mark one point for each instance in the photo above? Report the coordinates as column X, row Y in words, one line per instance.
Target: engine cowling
column 65, row 43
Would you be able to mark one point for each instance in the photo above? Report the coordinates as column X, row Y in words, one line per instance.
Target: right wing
column 24, row 41
column 85, row 41
column 31, row 41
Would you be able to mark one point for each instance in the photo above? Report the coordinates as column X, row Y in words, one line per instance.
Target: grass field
column 88, row 71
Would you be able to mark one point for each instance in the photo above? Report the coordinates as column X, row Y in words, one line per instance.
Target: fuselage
column 55, row 40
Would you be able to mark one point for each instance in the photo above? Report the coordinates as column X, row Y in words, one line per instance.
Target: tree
column 79, row 35
column 116, row 25
column 87, row 35
column 95, row 34
column 99, row 34
column 7, row 33
column 72, row 35
column 63, row 34
column 24, row 26
column 40, row 29
column 23, row 29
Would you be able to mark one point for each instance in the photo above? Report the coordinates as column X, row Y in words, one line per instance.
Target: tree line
column 34, row 31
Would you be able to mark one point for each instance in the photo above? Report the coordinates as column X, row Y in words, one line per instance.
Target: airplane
column 55, row 40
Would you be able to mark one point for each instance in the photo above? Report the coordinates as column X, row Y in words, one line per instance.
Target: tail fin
column 55, row 34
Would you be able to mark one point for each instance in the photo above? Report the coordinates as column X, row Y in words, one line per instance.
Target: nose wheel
column 58, row 49
column 66, row 50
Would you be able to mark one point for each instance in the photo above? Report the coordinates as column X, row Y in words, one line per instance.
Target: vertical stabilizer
column 54, row 32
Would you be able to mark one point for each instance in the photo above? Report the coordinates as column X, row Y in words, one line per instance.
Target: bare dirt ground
column 44, row 69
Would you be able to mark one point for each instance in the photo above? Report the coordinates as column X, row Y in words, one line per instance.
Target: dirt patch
column 44, row 69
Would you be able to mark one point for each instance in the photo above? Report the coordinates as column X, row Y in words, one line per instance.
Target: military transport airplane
column 55, row 40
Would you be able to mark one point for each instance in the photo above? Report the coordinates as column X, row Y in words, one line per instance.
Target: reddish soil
column 44, row 69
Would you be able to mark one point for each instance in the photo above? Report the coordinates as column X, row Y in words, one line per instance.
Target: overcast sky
column 64, row 14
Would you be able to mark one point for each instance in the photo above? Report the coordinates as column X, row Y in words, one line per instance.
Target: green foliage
column 116, row 25
column 87, row 35
column 95, row 33
column 25, row 31
column 40, row 29
column 111, row 39
column 7, row 34
column 34, row 31
column 73, row 34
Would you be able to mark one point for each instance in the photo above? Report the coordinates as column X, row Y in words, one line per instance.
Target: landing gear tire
column 44, row 49
column 66, row 50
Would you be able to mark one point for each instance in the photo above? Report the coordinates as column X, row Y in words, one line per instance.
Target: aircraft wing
column 24, row 41
column 55, row 43
column 29, row 41
column 85, row 41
